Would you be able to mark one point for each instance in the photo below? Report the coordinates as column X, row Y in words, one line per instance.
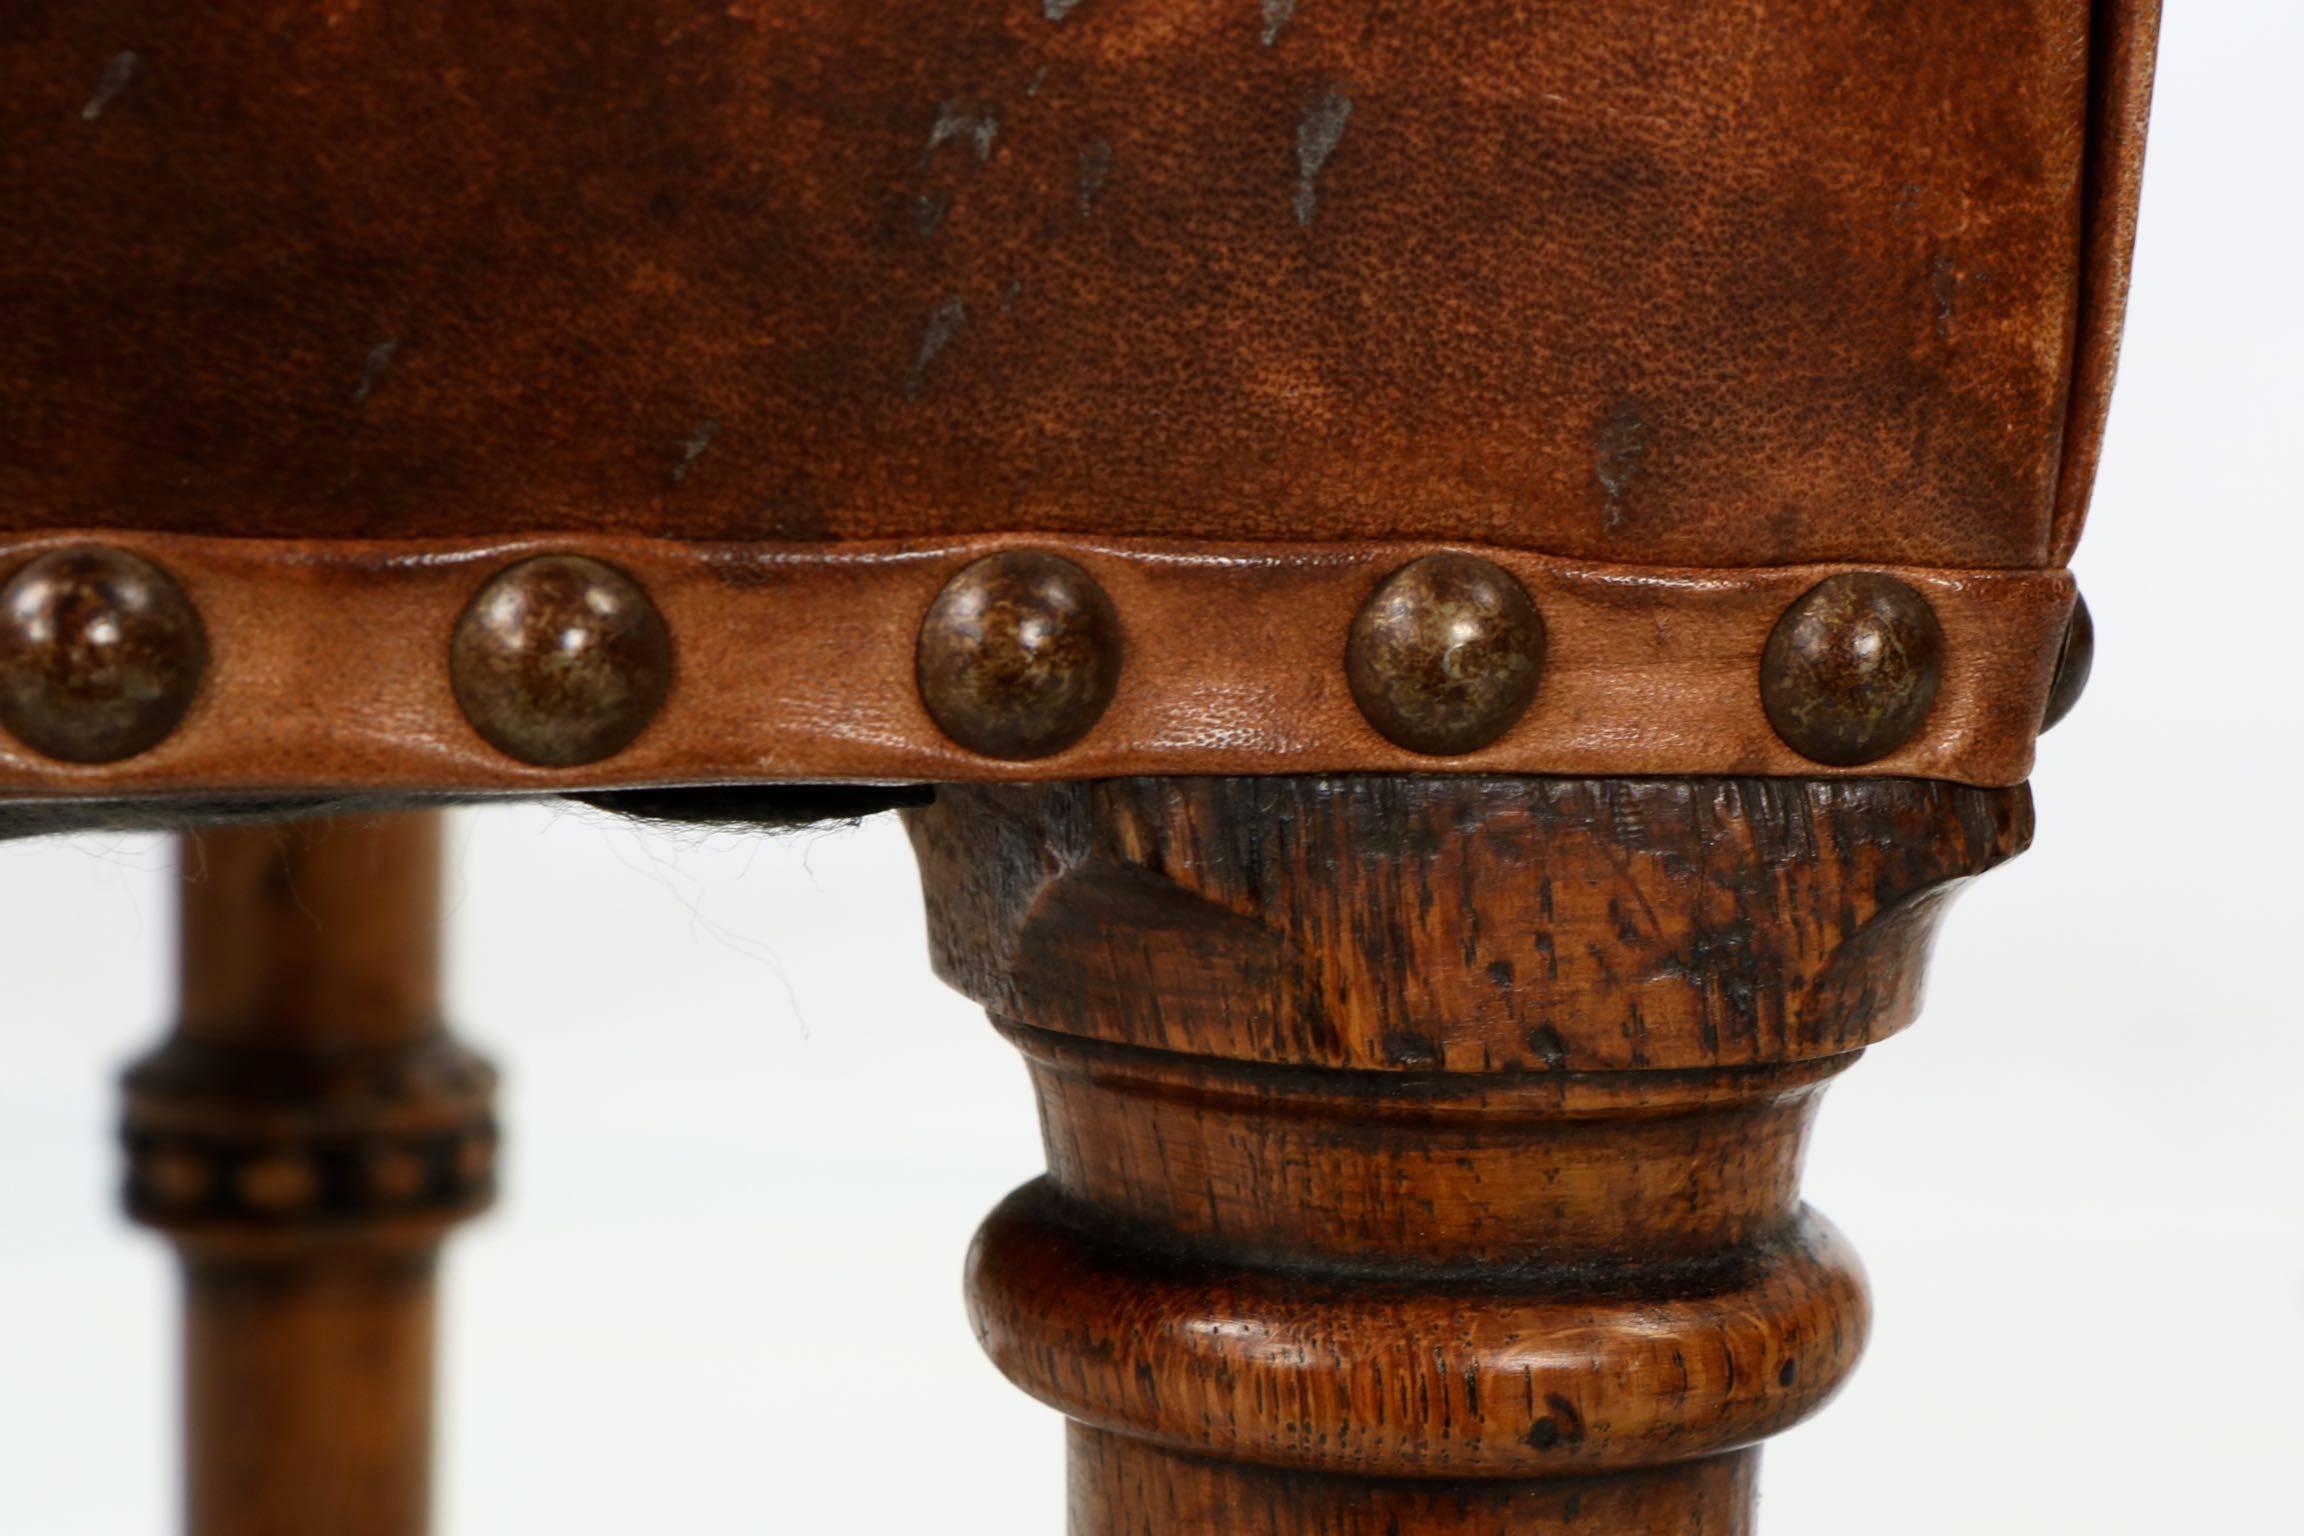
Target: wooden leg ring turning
column 306, row 1137
column 1424, row 1154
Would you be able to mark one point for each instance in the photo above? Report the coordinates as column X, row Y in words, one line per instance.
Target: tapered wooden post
column 306, row 1136
column 1424, row 1154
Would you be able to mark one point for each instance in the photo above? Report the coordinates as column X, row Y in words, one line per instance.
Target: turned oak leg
column 306, row 1136
column 1424, row 1154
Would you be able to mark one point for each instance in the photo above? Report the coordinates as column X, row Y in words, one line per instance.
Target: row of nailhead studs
column 561, row 660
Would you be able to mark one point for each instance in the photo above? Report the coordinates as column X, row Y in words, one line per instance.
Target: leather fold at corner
column 2124, row 43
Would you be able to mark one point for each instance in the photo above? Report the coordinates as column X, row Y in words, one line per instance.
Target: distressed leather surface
column 1702, row 299
column 1650, row 281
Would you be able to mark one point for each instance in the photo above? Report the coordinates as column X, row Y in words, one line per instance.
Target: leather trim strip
column 328, row 667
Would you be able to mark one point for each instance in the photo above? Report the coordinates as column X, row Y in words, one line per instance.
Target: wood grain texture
column 1457, row 924
column 306, row 1137
column 1424, row 1154
column 308, row 1398
column 1124, row 1487
column 1400, row 1374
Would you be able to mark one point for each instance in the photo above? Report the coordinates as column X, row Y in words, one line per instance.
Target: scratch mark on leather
column 1095, row 169
column 372, row 370
column 1057, row 10
column 1944, row 283
column 1276, row 14
column 957, row 120
column 1618, row 449
column 929, row 208
column 974, row 128
column 111, row 83
column 1318, row 132
column 943, row 325
column 693, row 449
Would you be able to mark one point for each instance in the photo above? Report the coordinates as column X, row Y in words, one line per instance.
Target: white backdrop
column 749, row 1135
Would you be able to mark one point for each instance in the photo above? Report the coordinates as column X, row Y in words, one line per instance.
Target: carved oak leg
column 306, row 1136
column 1424, row 1153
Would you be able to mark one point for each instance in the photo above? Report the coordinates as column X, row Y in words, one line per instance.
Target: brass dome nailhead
column 1019, row 655
column 561, row 660
column 2075, row 659
column 100, row 654
column 1446, row 654
column 1851, row 668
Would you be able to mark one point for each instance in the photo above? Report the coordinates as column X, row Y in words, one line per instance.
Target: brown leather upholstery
column 1620, row 286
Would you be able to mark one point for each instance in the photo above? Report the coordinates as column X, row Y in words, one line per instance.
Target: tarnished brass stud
column 1851, row 668
column 2075, row 658
column 1445, row 656
column 100, row 654
column 560, row 661
column 1019, row 655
